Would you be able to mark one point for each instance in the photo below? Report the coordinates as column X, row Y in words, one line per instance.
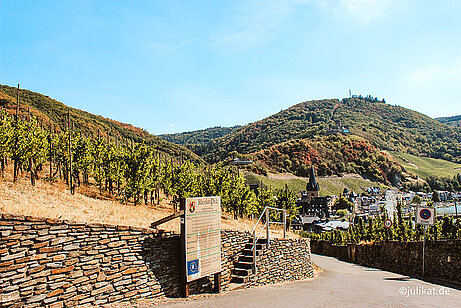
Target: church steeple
column 312, row 185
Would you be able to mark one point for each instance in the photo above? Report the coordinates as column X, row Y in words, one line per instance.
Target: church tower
column 312, row 187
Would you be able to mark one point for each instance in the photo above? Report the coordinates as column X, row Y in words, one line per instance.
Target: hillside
column 331, row 185
column 199, row 137
column 386, row 127
column 48, row 110
column 425, row 166
column 452, row 121
column 330, row 155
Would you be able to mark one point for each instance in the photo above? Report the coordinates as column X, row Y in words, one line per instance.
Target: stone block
column 9, row 297
column 36, row 298
column 104, row 289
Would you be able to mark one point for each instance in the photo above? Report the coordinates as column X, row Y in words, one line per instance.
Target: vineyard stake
column 70, row 153
column 15, row 168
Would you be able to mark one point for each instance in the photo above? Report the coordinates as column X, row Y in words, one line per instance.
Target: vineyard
column 124, row 170
column 401, row 230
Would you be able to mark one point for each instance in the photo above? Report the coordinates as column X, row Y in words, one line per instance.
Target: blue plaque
column 192, row 267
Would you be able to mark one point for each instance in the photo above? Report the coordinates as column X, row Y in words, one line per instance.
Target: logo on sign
column 192, row 207
column 192, row 267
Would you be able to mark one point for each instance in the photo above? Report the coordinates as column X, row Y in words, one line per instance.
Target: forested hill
column 385, row 126
column 202, row 136
column 48, row 110
column 452, row 121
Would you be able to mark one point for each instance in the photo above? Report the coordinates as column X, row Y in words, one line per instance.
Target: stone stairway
column 243, row 268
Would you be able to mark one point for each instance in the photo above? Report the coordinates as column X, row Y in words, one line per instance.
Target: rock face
column 56, row 263
column 442, row 258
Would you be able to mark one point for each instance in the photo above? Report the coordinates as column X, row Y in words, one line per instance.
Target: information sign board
column 202, row 236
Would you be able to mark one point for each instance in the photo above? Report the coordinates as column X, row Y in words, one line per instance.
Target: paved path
column 341, row 284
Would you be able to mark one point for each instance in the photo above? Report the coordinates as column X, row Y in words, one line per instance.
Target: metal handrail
column 266, row 226
column 267, row 207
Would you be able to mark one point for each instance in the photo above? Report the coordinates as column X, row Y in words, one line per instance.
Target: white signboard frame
column 202, row 237
column 425, row 215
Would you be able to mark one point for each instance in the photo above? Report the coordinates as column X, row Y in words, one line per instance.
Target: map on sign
column 425, row 215
column 203, row 236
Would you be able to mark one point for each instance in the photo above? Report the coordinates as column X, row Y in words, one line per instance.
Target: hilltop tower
column 312, row 188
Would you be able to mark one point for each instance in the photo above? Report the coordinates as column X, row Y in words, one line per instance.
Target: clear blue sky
column 172, row 66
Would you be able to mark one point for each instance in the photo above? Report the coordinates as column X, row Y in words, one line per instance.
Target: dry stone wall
column 55, row 263
column 442, row 258
column 283, row 260
column 58, row 263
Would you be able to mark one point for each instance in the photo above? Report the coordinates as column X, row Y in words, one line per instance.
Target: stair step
column 242, row 272
column 247, row 258
column 258, row 246
column 240, row 279
column 243, row 264
column 249, row 252
column 259, row 241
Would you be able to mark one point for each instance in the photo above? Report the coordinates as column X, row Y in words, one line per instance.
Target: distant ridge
column 202, row 136
column 452, row 121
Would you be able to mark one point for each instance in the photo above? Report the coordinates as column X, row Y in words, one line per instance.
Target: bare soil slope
column 53, row 200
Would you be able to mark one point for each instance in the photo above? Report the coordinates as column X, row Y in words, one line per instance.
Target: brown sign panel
column 203, row 236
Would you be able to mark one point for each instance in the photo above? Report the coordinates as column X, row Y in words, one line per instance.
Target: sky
column 174, row 66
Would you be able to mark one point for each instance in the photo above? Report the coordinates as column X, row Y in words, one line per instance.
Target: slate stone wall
column 57, row 263
column 442, row 258
column 283, row 260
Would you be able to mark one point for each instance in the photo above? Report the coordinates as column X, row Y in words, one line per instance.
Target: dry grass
column 53, row 200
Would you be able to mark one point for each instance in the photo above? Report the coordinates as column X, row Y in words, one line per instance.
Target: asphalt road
column 340, row 284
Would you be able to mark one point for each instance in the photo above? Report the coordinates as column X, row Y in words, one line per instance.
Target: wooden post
column 158, row 185
column 217, row 282
column 16, row 166
column 184, row 287
column 70, row 153
column 51, row 152
column 17, row 104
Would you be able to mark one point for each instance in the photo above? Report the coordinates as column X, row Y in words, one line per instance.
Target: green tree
column 343, row 204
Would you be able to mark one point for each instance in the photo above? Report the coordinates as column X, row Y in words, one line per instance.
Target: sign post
column 387, row 225
column 425, row 216
column 201, row 232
